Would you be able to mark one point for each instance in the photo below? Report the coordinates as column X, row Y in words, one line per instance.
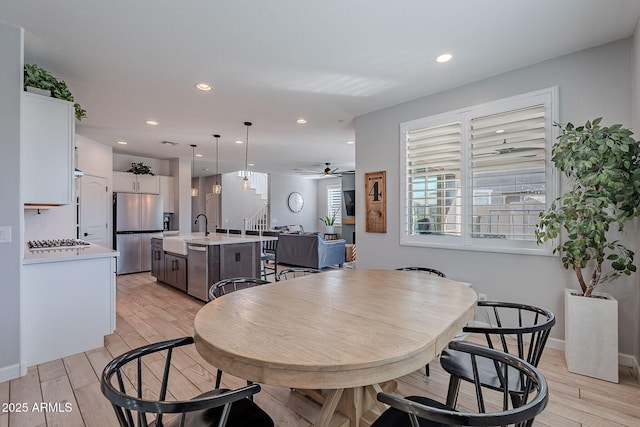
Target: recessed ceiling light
column 251, row 164
column 205, row 87
column 239, row 141
column 122, row 142
column 198, row 155
column 151, row 123
column 301, row 121
column 445, row 57
column 500, row 131
column 351, row 142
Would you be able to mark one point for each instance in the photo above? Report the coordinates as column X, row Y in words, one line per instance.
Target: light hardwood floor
column 148, row 312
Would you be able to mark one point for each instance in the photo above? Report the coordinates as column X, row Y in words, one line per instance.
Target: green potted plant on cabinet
column 602, row 167
column 329, row 221
column 39, row 78
column 140, row 169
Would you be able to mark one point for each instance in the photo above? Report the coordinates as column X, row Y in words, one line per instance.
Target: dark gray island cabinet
column 192, row 263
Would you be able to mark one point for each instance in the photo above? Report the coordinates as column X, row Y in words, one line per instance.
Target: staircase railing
column 258, row 221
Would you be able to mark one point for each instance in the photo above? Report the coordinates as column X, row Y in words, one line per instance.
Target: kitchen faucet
column 206, row 223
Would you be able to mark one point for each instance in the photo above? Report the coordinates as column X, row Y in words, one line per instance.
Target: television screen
column 350, row 202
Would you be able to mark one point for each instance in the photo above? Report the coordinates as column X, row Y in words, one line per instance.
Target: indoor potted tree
column 329, row 220
column 602, row 166
column 39, row 78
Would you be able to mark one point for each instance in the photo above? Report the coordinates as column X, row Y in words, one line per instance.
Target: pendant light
column 194, row 188
column 217, row 188
column 245, row 180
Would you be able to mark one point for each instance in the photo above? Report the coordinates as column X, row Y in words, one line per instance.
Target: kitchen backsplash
column 55, row 223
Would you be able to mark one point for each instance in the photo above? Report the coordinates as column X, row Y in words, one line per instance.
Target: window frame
column 548, row 97
column 329, row 208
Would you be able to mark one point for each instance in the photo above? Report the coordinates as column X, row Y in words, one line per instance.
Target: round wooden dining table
column 346, row 331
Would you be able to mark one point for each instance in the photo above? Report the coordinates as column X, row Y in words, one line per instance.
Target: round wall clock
column 295, row 202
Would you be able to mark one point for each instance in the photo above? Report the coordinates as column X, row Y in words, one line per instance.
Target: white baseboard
column 627, row 360
column 636, row 368
column 10, row 372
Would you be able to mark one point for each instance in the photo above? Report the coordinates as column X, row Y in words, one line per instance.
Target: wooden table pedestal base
column 359, row 405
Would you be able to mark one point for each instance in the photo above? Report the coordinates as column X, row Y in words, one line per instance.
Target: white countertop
column 178, row 243
column 71, row 254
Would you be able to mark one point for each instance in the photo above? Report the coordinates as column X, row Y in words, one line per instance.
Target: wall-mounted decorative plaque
column 375, row 190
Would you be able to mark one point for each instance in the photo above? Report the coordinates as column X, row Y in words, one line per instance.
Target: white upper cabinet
column 127, row 182
column 47, row 141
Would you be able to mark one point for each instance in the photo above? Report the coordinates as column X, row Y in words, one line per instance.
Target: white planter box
column 38, row 91
column 591, row 335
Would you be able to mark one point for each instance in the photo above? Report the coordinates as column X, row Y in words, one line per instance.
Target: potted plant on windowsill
column 328, row 221
column 602, row 165
column 39, row 78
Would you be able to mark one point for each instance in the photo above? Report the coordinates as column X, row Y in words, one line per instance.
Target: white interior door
column 94, row 209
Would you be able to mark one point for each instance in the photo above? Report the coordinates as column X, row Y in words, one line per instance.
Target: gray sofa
column 293, row 228
column 309, row 250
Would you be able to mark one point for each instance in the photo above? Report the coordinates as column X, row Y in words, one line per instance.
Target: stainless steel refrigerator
column 137, row 218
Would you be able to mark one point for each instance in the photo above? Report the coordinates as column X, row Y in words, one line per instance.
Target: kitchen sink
column 178, row 244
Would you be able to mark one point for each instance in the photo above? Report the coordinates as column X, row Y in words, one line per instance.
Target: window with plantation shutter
column 433, row 180
column 334, row 202
column 479, row 177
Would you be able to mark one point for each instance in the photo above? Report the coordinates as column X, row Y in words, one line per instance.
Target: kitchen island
column 193, row 262
column 68, row 301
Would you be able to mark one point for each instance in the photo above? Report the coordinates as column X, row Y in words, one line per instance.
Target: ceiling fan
column 328, row 171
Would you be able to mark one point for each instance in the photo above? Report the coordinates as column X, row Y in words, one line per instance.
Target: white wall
column 237, row 204
column 283, row 185
column 180, row 169
column 11, row 253
column 592, row 83
column 94, row 158
column 58, row 222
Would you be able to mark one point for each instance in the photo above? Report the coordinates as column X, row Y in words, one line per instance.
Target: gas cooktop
column 57, row 244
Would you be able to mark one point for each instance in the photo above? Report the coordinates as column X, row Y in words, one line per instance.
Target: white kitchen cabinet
column 166, row 191
column 127, row 182
column 69, row 306
column 47, row 144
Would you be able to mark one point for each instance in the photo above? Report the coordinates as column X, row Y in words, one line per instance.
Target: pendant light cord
column 194, row 190
column 246, row 149
column 193, row 160
column 216, row 137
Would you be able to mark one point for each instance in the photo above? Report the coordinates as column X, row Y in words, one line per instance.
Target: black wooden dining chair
column 514, row 328
column 423, row 270
column 269, row 254
column 226, row 286
column 419, row 411
column 292, row 273
column 220, row 407
column 426, row 270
